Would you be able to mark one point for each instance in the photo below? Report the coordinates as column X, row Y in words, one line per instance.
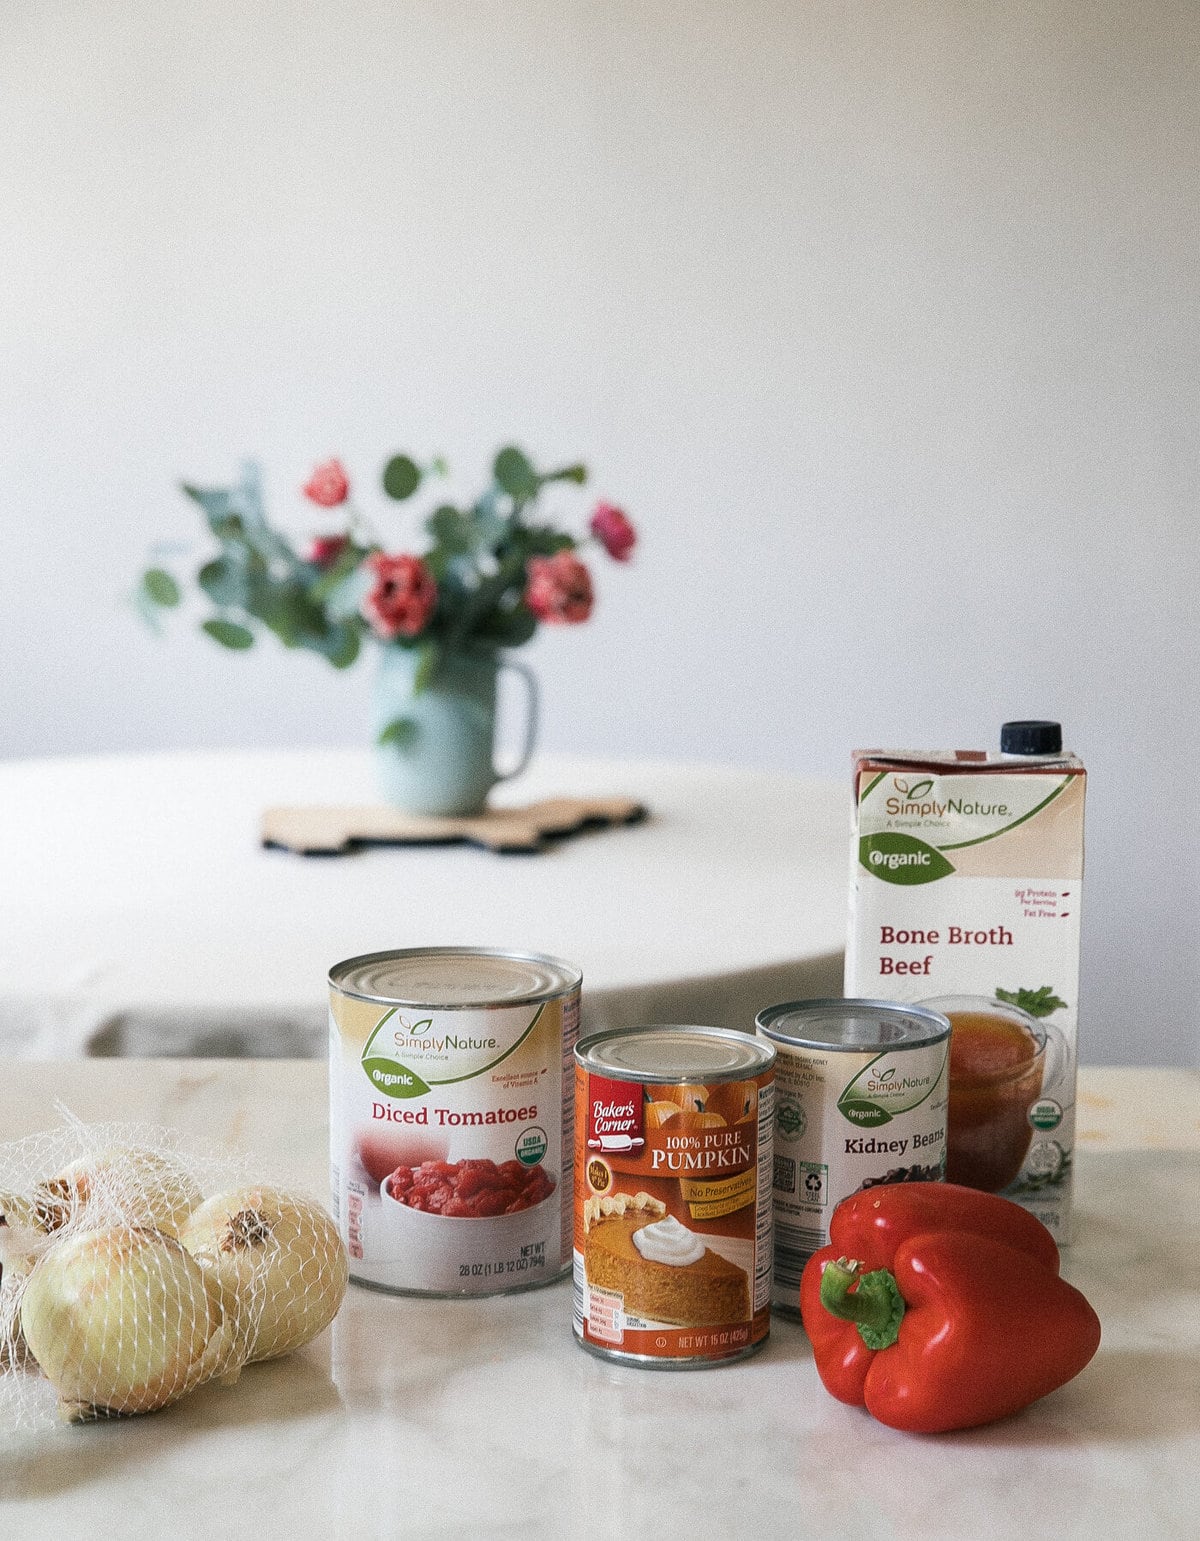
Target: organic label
column 394, row 1079
column 900, row 858
column 884, row 1088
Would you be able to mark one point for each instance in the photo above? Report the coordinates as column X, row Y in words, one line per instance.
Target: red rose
column 402, row 598
column 324, row 550
column 614, row 531
column 328, row 485
column 558, row 588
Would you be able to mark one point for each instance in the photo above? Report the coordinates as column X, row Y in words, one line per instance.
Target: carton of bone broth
column 966, row 875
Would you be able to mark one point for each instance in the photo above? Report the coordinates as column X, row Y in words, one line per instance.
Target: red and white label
column 614, row 1115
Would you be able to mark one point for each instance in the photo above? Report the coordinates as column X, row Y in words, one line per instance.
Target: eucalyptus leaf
column 401, row 477
column 225, row 582
column 451, row 529
column 576, row 473
column 509, row 628
column 340, row 645
column 289, row 614
column 331, row 577
column 229, row 634
column 217, row 503
column 344, row 600
column 544, row 540
column 515, row 474
column 401, row 732
column 428, row 658
column 161, row 587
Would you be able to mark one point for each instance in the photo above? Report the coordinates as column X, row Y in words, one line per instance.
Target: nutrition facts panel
column 763, row 1227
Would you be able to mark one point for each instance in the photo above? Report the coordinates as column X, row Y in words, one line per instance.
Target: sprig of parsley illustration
column 1038, row 1003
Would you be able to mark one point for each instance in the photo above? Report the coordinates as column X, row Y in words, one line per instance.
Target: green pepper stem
column 876, row 1306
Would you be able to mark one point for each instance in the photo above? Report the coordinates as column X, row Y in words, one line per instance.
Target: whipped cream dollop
column 666, row 1241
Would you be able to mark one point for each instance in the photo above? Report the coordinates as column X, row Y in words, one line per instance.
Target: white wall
column 880, row 319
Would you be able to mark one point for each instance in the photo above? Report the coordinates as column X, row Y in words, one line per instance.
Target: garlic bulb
column 138, row 1187
column 280, row 1263
column 122, row 1320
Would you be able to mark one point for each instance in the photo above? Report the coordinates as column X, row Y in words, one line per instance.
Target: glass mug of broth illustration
column 1002, row 1060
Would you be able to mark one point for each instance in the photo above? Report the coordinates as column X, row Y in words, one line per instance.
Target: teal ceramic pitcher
column 438, row 754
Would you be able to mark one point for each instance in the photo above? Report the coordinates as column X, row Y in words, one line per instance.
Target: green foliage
column 428, row 656
column 229, row 634
column 255, row 580
column 400, row 732
column 401, row 477
column 161, row 588
column 515, row 475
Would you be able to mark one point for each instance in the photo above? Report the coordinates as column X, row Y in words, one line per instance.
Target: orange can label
column 672, row 1216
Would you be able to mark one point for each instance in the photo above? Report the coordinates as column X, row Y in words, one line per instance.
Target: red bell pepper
column 938, row 1307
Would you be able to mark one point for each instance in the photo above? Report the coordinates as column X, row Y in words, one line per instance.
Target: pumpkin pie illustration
column 664, row 1271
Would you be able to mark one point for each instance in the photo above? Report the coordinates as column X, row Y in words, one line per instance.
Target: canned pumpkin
column 673, row 1194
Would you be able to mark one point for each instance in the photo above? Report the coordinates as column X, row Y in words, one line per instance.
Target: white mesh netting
column 135, row 1271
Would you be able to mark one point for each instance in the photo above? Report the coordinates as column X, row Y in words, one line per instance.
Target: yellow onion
column 19, row 1238
column 139, row 1187
column 17, row 1210
column 122, row 1320
column 280, row 1262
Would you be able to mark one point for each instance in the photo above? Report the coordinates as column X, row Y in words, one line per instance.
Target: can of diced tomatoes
column 673, row 1129
column 450, row 1108
column 860, row 1099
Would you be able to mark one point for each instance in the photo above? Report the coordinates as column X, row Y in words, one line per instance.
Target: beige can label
column 844, row 1121
column 450, row 1143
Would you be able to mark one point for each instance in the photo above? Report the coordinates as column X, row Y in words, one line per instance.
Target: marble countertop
column 432, row 1418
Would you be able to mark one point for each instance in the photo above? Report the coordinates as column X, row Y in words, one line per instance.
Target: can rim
column 924, row 1016
column 760, row 1056
column 570, row 976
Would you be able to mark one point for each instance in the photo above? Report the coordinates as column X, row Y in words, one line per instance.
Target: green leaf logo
column 900, row 858
column 867, row 1115
column 883, row 1088
column 913, row 789
column 394, row 1079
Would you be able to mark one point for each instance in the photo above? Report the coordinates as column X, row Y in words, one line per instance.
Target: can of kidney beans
column 673, row 1195
column 450, row 1109
column 861, row 1094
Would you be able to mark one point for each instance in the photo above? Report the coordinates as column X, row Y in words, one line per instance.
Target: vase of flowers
column 444, row 621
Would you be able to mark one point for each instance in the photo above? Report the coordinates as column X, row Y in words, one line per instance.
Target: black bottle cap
column 1031, row 738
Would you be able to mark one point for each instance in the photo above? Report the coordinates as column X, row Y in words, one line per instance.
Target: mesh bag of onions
column 135, row 1272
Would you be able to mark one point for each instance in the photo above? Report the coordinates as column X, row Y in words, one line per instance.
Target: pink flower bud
column 324, row 550
column 328, row 485
column 402, row 598
column 558, row 588
column 613, row 530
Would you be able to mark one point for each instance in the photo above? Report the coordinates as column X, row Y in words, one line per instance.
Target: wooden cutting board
column 334, row 831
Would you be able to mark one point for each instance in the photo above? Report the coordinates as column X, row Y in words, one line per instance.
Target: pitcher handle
column 1057, row 1056
column 531, row 722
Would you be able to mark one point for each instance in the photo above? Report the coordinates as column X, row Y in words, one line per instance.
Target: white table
column 480, row 1419
column 139, row 915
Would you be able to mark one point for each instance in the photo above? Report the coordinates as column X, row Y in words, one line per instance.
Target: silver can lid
column 663, row 1055
column 852, row 1024
column 454, row 978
